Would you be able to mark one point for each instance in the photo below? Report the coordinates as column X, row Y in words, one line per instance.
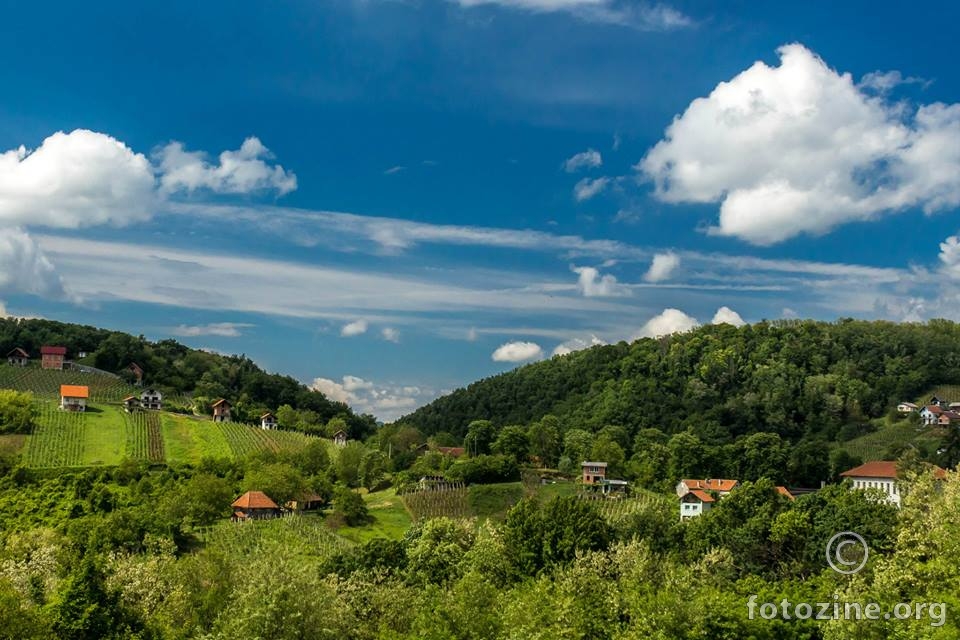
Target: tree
column 87, row 609
column 809, row 463
column 479, row 438
column 372, row 467
column 350, row 508
column 577, row 444
column 512, row 442
column 287, row 417
column 606, row 449
column 348, row 463
column 279, row 480
column 544, row 438
column 201, row 500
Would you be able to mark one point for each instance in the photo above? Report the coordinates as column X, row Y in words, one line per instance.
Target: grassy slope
column 105, row 436
column 188, row 439
column 390, row 518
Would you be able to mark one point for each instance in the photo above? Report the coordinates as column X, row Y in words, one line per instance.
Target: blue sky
column 392, row 198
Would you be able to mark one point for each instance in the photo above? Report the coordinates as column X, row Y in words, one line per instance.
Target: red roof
column 254, row 500
column 53, row 351
column 19, row 353
column 712, row 484
column 456, row 452
column 785, row 492
column 703, row 496
column 883, row 469
column 74, row 391
column 934, row 409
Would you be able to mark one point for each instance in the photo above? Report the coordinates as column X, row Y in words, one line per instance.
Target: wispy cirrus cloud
column 643, row 16
column 220, row 329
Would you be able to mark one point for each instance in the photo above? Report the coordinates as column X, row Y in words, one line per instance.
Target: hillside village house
column 697, row 497
column 930, row 414
column 52, row 357
column 340, row 438
column 221, row 410
column 131, row 404
column 907, row 407
column 720, row 486
column 695, row 503
column 254, row 505
column 593, row 472
column 151, row 399
column 948, row 417
column 882, row 475
column 74, row 397
column 268, row 421
column 309, row 501
column 940, row 402
column 18, row 357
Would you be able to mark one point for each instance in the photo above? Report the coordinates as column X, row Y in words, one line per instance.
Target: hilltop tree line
column 796, row 380
column 177, row 369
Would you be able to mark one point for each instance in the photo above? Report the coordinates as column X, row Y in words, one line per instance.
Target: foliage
column 16, row 412
column 349, row 507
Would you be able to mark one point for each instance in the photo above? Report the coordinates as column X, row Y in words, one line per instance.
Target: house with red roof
column 930, row 414
column 452, row 452
column 881, row 475
column 74, row 397
column 52, row 357
column 696, row 502
column 18, row 357
column 720, row 486
column 254, row 505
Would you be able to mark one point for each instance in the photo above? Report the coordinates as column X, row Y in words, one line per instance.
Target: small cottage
column 74, row 397
column 254, row 505
column 695, row 503
column 593, row 472
column 309, row 501
column 720, row 486
column 131, row 404
column 931, row 414
column 221, row 410
column 52, row 357
column 151, row 399
column 268, row 421
column 18, row 357
column 907, row 407
column 340, row 438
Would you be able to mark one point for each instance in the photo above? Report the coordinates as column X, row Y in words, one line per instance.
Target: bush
column 484, row 469
column 350, row 508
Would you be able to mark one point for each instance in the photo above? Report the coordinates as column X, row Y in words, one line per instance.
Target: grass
column 105, row 436
column 12, row 444
column 390, row 518
column 188, row 439
column 892, row 436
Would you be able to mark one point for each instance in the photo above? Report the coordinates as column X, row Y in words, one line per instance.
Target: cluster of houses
column 937, row 411
column 699, row 496
column 256, row 505
column 50, row 357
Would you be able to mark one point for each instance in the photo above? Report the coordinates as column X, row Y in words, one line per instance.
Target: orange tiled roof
column 74, row 391
column 703, row 496
column 711, row 484
column 785, row 492
column 254, row 500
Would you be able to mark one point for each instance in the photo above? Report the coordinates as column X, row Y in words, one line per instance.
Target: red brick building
column 52, row 357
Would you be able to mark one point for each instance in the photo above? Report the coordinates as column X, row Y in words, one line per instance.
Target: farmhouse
column 131, row 404
column 695, row 503
column 881, row 475
column 930, row 414
column 254, row 505
column 18, row 357
column 221, row 410
column 151, row 399
column 940, row 402
column 593, row 472
column 340, row 438
column 74, row 397
column 52, row 357
column 309, row 501
column 947, row 418
column 907, row 407
column 268, row 421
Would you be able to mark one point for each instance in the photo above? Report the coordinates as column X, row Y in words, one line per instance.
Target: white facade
column 887, row 485
column 151, row 399
column 907, row 407
column 929, row 416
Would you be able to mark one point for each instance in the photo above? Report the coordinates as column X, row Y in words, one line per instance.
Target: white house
column 882, row 475
column 340, row 438
column 907, row 407
column 930, row 414
column 695, row 503
column 151, row 399
column 74, row 397
column 268, row 421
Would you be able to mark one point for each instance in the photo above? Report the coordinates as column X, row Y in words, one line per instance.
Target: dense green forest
column 177, row 369
column 798, row 379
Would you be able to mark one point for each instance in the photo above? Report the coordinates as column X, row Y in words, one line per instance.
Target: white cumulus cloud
column 75, row 179
column 726, row 315
column 667, row 322
column 517, row 352
column 662, row 266
column 800, row 148
column 589, row 187
column 245, row 170
column 593, row 284
column 25, row 268
column 588, row 159
column 385, row 401
column 576, row 344
column 354, row 328
column 390, row 334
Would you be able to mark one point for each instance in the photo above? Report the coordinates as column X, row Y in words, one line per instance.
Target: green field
column 390, row 518
column 891, row 437
column 45, row 383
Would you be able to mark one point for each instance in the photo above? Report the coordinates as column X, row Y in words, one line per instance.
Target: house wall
column 49, row 361
column 886, row 485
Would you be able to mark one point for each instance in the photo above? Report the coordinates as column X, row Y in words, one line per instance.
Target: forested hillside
column 180, row 370
column 799, row 379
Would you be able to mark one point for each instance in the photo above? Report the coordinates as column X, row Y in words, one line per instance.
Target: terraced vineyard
column 45, row 383
column 293, row 534
column 613, row 508
column 448, row 499
column 144, row 440
column 246, row 439
column 58, row 440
